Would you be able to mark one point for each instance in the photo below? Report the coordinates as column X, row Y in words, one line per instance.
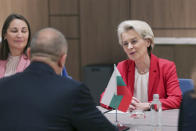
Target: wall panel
column 36, row 11
column 165, row 13
column 166, row 51
column 73, row 59
column 99, row 20
column 64, row 15
column 175, row 32
column 185, row 58
column 63, row 7
column 68, row 25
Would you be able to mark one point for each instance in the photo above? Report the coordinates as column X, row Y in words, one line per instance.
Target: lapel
column 23, row 63
column 131, row 76
column 2, row 67
column 153, row 76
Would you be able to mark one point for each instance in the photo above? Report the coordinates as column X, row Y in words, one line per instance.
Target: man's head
column 50, row 46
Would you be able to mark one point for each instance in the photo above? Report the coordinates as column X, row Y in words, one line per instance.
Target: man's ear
column 62, row 60
column 29, row 53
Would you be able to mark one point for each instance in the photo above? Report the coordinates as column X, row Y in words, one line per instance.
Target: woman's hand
column 138, row 105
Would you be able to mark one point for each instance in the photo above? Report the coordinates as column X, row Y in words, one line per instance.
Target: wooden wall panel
column 99, row 20
column 64, row 16
column 165, row 13
column 181, row 55
column 166, row 52
column 68, row 25
column 185, row 58
column 36, row 11
column 63, row 7
column 73, row 59
column 175, row 32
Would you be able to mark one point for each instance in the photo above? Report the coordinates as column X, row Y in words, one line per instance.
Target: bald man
column 39, row 99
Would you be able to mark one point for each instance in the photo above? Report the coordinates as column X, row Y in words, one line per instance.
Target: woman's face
column 134, row 45
column 17, row 35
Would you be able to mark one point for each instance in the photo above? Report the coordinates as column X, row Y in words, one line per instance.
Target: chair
column 186, row 85
column 96, row 77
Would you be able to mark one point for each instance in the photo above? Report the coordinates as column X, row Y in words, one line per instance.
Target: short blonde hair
column 141, row 27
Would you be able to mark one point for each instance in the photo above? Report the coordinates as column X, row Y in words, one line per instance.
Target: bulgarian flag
column 116, row 94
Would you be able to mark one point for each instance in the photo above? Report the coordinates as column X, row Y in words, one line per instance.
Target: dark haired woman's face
column 17, row 36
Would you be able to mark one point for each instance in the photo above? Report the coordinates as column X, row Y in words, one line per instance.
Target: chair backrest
column 96, row 77
column 186, row 85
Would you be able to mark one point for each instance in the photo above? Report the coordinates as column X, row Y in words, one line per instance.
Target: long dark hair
column 4, row 48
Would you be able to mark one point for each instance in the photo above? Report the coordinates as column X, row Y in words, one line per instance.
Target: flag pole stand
column 120, row 126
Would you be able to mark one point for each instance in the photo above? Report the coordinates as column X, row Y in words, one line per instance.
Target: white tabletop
column 169, row 120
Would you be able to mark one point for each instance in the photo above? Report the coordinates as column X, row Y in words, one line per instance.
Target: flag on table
column 116, row 94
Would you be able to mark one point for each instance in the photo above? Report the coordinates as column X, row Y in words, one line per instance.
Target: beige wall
column 90, row 27
column 36, row 11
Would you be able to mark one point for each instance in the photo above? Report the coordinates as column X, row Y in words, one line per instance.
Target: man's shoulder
column 68, row 81
column 34, row 78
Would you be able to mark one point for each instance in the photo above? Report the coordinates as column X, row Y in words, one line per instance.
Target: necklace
column 142, row 72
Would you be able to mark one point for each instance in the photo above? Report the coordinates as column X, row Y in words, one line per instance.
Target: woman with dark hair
column 16, row 35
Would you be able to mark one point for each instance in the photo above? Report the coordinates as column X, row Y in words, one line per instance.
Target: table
column 169, row 120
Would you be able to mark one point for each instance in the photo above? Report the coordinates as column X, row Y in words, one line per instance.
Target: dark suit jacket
column 39, row 100
column 187, row 114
